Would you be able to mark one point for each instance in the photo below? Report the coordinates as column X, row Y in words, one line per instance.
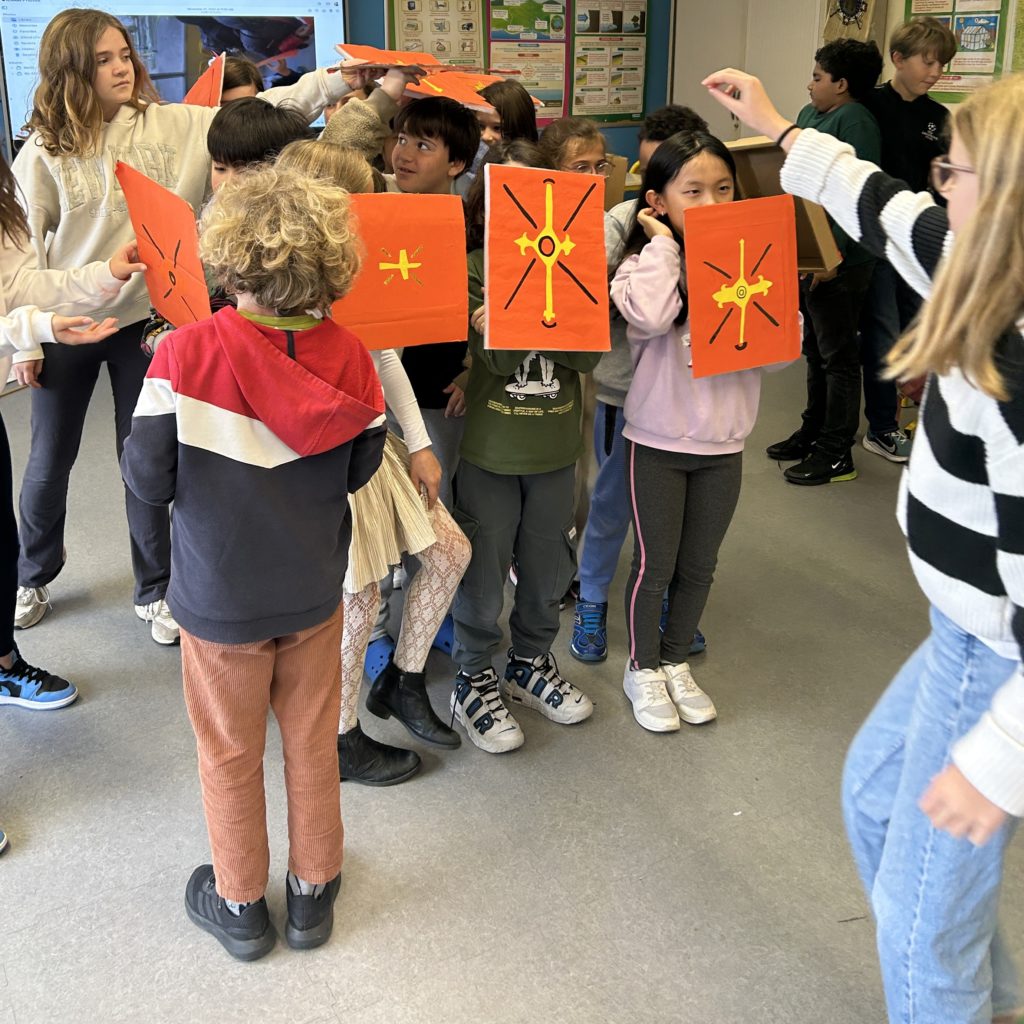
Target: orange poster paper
column 455, row 85
column 374, row 57
column 412, row 288
column 742, row 285
column 165, row 229
column 547, row 280
column 209, row 85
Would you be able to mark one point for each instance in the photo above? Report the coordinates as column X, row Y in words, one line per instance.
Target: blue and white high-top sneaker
column 535, row 683
column 477, row 706
column 26, row 686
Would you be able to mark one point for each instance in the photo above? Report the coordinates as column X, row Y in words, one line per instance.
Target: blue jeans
column 609, row 518
column 935, row 898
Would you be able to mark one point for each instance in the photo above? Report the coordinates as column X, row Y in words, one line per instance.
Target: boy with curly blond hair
column 257, row 424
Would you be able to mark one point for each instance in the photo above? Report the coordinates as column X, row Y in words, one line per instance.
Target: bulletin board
column 588, row 61
column 982, row 30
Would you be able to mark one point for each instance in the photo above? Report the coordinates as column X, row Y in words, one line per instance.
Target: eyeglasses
column 602, row 167
column 944, row 174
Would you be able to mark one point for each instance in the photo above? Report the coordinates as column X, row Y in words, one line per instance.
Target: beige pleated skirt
column 388, row 519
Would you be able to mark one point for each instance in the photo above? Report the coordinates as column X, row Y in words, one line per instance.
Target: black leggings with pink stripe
column 682, row 506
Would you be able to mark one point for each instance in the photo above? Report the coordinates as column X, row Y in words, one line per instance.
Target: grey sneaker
column 33, row 603
column 692, row 703
column 163, row 629
column 893, row 445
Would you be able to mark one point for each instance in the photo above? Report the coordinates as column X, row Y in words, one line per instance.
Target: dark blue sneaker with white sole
column 25, row 686
column 3, row 841
column 590, row 632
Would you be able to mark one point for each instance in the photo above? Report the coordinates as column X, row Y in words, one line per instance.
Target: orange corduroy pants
column 229, row 688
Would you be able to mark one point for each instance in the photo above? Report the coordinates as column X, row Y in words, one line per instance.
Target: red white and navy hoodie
column 257, row 432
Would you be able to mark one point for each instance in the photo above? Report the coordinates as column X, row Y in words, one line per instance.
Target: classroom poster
column 574, row 57
column 450, row 30
column 981, row 29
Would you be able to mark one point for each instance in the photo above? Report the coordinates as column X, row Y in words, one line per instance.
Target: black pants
column 682, row 507
column 59, row 408
column 8, row 547
column 832, row 350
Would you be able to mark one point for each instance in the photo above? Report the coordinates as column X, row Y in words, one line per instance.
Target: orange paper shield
column 547, row 280
column 413, row 286
column 374, row 57
column 209, row 85
column 165, row 228
column 742, row 285
column 455, row 85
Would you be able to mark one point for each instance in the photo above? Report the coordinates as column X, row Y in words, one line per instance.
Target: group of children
column 302, row 470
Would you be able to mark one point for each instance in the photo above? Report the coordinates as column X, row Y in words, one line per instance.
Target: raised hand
column 744, row 95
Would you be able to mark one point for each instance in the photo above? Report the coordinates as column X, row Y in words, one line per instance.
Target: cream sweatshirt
column 76, row 209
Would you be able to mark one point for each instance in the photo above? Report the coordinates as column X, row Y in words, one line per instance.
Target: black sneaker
column 311, row 918
column 246, row 936
column 821, row 468
column 794, row 448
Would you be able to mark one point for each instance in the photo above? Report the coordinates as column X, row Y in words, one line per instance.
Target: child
column 913, row 128
column 947, row 737
column 683, row 436
column 437, row 139
column 96, row 105
column 514, row 500
column 257, row 423
column 845, row 72
column 25, row 327
column 609, row 514
column 390, row 520
column 514, row 115
column 241, row 79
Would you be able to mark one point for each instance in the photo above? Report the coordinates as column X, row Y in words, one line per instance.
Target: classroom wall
column 366, row 25
column 774, row 41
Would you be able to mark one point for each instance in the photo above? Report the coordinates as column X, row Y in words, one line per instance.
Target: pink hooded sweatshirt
column 666, row 407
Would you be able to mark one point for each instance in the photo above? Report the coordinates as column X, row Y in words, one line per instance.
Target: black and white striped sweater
column 961, row 504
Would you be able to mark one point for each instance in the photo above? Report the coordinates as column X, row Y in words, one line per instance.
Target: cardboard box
column 758, row 165
column 615, row 183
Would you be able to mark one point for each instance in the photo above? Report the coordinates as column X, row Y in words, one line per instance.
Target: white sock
column 300, row 887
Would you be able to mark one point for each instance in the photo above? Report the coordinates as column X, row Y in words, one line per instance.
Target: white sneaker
column 164, row 629
column 535, row 683
column 652, row 707
column 33, row 603
column 692, row 703
column 477, row 707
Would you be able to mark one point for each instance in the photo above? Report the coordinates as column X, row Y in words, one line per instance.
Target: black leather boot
column 364, row 759
column 404, row 695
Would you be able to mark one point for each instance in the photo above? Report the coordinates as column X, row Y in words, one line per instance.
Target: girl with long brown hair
column 95, row 105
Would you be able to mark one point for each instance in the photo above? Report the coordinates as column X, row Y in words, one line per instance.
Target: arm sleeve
column 359, row 125
column 24, row 331
column 367, row 451
column 645, row 289
column 401, row 400
column 880, row 212
column 310, row 94
column 991, row 755
column 149, row 462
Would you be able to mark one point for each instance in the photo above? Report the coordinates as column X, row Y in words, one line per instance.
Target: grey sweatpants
column 682, row 507
column 530, row 517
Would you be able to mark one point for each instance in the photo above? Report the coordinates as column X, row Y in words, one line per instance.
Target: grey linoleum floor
column 600, row 874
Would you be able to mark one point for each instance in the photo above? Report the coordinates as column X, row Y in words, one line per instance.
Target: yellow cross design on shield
column 549, row 249
column 741, row 293
column 403, row 265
